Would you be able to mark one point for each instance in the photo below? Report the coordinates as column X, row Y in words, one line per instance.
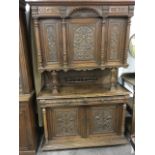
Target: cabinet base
column 32, row 152
column 78, row 142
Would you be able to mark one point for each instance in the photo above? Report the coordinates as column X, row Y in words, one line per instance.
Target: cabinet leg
column 113, row 78
column 123, row 120
column 45, row 125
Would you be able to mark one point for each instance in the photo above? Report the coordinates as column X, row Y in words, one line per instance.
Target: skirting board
column 83, row 142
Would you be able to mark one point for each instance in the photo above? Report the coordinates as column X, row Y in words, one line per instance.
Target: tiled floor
column 113, row 150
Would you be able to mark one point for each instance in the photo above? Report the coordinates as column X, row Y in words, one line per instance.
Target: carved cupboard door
column 116, row 41
column 63, row 122
column 84, row 42
column 101, row 119
column 51, row 42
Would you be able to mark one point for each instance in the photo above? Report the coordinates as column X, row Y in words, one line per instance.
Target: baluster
column 113, row 78
column 54, row 82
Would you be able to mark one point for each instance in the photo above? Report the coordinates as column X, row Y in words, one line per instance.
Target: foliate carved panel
column 51, row 36
column 102, row 120
column 66, row 122
column 50, row 41
column 114, row 42
column 116, row 39
column 84, row 42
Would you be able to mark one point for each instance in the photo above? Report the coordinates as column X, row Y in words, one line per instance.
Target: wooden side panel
column 26, row 128
column 102, row 119
column 83, row 44
column 51, row 42
column 116, row 40
column 25, row 72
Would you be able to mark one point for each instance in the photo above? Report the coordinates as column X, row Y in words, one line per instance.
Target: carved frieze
column 83, row 42
column 66, row 122
column 118, row 10
column 48, row 10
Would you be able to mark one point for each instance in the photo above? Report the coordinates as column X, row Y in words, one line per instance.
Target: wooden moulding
column 84, row 142
column 81, row 2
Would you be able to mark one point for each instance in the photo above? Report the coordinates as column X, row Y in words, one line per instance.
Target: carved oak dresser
column 79, row 46
column 27, row 119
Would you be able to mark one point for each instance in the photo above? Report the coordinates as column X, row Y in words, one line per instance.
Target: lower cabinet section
column 27, row 127
column 83, row 126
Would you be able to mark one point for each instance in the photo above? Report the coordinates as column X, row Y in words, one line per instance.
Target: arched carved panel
column 84, row 13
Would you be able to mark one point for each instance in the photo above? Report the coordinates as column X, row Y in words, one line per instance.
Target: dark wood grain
column 27, row 111
column 79, row 47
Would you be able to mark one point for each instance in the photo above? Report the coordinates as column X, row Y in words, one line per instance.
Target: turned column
column 123, row 119
column 38, row 47
column 113, row 78
column 103, row 42
column 54, row 82
column 127, row 40
column 45, row 125
column 64, row 44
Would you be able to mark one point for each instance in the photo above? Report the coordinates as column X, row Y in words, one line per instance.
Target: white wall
column 130, row 59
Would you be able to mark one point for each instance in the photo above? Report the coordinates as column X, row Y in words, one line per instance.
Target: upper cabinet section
column 81, row 37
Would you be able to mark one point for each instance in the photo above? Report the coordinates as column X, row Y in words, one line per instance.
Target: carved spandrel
column 84, row 42
column 102, row 120
column 84, row 13
column 66, row 122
